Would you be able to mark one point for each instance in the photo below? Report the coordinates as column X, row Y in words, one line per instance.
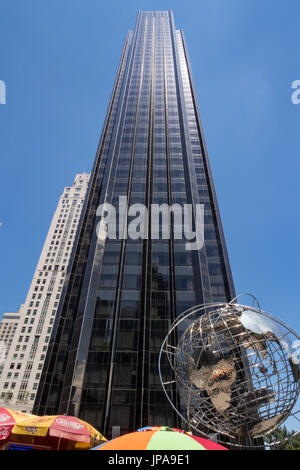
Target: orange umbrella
column 159, row 438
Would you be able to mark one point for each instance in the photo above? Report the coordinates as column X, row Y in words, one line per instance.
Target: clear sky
column 59, row 58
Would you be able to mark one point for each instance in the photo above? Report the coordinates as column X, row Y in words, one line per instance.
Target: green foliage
column 281, row 434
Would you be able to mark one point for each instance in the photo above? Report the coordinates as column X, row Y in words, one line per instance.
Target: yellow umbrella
column 8, row 419
column 60, row 426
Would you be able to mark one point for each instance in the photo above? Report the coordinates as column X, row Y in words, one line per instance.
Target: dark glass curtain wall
column 121, row 296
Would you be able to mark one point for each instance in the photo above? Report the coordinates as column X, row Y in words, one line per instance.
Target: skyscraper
column 24, row 361
column 123, row 292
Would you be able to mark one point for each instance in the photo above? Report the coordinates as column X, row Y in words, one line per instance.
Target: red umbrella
column 8, row 419
column 206, row 443
column 159, row 438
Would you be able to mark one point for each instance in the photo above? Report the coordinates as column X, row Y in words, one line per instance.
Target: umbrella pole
column 58, row 443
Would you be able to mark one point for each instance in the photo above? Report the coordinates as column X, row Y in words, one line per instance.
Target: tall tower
column 22, row 369
column 124, row 292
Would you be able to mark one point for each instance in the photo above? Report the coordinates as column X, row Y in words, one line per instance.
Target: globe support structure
column 236, row 370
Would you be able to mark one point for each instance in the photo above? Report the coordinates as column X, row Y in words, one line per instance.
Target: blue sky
column 58, row 59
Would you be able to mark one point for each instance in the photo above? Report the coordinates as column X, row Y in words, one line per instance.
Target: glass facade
column 121, row 295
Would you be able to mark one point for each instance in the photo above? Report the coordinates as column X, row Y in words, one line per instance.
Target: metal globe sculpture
column 231, row 369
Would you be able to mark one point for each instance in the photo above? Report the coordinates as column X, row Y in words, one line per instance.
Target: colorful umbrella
column 8, row 419
column 61, row 426
column 159, row 438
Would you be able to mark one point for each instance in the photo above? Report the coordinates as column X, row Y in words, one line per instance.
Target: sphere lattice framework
column 235, row 368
